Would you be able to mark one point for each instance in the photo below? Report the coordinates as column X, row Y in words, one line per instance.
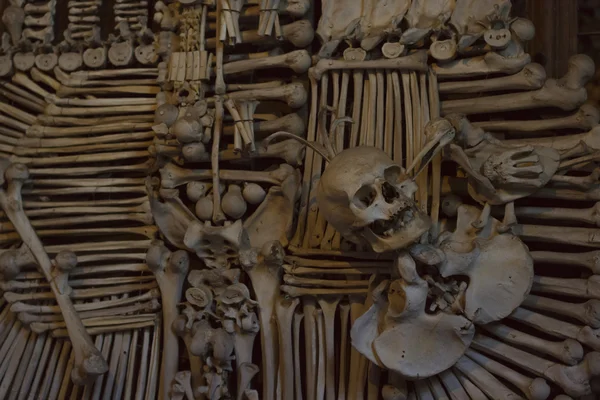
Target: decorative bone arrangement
column 167, row 233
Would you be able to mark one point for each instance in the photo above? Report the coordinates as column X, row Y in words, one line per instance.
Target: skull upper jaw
column 403, row 235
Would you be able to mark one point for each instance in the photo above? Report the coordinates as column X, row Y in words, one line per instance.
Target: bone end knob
column 299, row 33
column 535, row 74
column 581, row 70
column 10, row 266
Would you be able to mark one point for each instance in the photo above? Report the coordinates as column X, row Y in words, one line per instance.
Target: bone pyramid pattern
column 287, row 199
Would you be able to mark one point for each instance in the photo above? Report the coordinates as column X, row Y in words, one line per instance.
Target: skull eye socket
column 394, row 174
column 364, row 196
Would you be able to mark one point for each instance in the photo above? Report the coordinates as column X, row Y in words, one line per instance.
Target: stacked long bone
column 95, row 226
column 331, row 281
column 219, row 197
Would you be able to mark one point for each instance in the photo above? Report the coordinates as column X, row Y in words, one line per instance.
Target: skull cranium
column 369, row 199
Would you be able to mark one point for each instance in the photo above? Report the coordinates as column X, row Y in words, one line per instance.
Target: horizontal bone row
column 105, row 220
column 39, row 364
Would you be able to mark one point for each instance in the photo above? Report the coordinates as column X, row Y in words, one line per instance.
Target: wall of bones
column 287, row 200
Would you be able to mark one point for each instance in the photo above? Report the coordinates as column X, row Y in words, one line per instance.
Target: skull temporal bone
column 369, row 200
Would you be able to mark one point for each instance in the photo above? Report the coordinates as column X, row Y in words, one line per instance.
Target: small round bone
column 588, row 312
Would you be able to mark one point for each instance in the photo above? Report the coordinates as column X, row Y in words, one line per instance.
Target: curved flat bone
column 484, row 380
column 574, row 380
column 299, row 61
column 89, row 363
column 587, row 117
column 588, row 312
column 532, row 76
column 414, row 62
column 568, row 351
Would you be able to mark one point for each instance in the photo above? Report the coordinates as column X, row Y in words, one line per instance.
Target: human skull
column 369, row 199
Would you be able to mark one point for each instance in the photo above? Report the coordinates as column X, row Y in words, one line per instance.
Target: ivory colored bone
column 566, row 93
column 554, row 327
column 583, row 288
column 285, row 309
column 588, row 312
column 565, row 143
column 173, row 176
column 574, row 380
column 298, row 61
column 534, row 389
column 413, row 62
column 292, row 123
column 170, row 270
column 55, row 110
column 584, row 215
column 88, row 360
column 491, row 63
column 484, row 380
column 553, row 234
column 299, row 33
column 532, row 76
column 568, row 351
column 294, row 94
column 587, row 117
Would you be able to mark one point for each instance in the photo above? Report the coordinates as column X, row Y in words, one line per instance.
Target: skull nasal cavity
column 389, row 192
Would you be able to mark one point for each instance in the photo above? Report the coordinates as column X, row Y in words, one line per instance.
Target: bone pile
column 75, row 154
column 207, row 210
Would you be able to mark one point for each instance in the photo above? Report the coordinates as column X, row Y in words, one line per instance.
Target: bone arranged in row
column 133, row 11
column 39, row 365
column 84, row 18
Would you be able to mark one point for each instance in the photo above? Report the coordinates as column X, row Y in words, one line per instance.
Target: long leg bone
column 567, row 93
column 88, row 360
column 170, row 270
column 574, row 380
column 568, row 351
column 484, row 380
column 561, row 329
column 285, row 310
column 529, row 78
column 588, row 312
column 585, row 119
